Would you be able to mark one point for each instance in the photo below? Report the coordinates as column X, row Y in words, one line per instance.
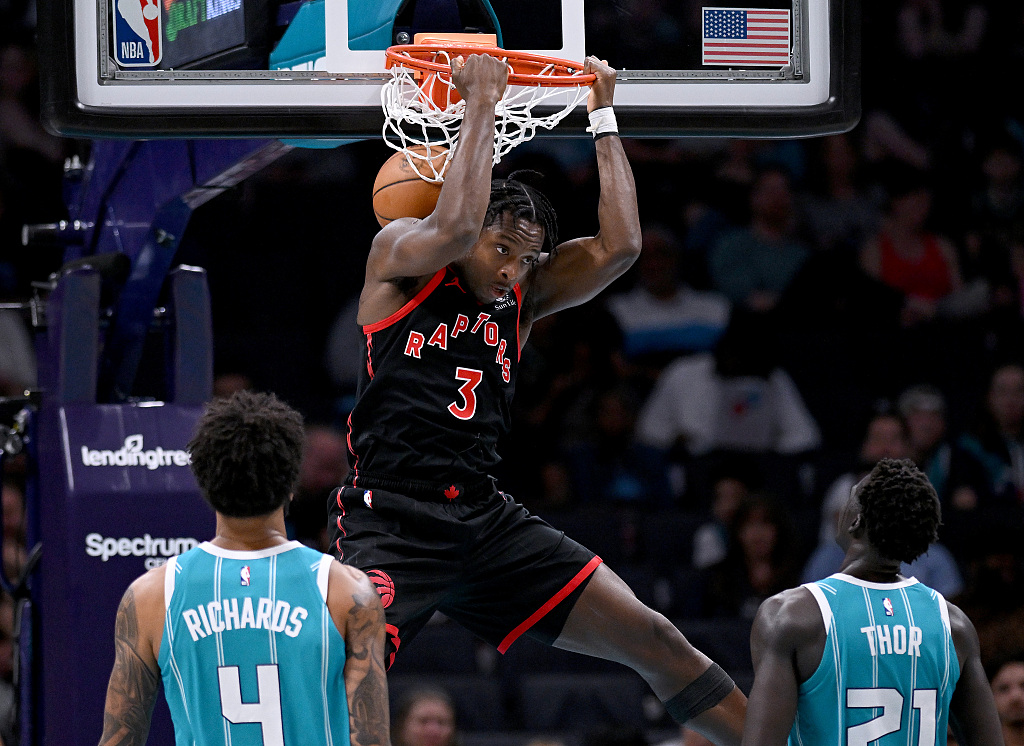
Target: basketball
column 398, row 192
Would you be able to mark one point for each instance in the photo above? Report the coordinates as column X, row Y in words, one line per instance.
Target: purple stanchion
column 115, row 498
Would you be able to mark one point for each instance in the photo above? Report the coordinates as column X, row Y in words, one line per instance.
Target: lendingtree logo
column 132, row 453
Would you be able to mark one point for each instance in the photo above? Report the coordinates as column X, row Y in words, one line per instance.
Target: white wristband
column 602, row 122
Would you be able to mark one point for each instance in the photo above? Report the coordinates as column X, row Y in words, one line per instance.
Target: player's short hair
column 517, row 198
column 900, row 509
column 246, row 453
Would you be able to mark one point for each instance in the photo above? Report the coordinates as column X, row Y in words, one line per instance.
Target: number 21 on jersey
column 890, row 702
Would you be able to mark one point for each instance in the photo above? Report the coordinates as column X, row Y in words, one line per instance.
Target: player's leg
column 608, row 621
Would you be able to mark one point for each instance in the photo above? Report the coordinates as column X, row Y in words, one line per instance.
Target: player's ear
column 856, row 529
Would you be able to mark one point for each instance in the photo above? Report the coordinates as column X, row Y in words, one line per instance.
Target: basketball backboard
column 236, row 68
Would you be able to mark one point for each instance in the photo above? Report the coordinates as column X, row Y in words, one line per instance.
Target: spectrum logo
column 137, row 33
column 132, row 453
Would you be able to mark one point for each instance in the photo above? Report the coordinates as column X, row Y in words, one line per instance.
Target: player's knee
column 666, row 641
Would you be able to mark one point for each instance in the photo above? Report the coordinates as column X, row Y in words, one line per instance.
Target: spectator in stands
column 731, row 486
column 754, row 265
column 997, row 207
column 910, row 258
column 425, row 717
column 663, row 317
column 324, row 467
column 995, row 449
column 607, row 464
column 923, row 409
column 1007, row 682
column 738, row 398
column 836, row 212
column 762, row 560
column 886, row 437
column 998, row 442
column 994, row 599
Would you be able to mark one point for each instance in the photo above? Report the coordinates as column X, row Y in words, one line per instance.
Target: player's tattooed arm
column 132, row 690
column 365, row 679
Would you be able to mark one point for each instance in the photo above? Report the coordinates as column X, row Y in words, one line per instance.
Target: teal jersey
column 888, row 670
column 250, row 655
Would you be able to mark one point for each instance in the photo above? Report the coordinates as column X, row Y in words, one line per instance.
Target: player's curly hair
column 246, row 453
column 900, row 509
column 516, row 197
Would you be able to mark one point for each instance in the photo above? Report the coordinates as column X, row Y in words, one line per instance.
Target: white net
column 424, row 114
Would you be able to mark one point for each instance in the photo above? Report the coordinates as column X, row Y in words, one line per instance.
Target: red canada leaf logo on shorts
column 384, row 584
column 451, row 493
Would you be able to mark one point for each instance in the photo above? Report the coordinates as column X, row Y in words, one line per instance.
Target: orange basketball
column 398, row 192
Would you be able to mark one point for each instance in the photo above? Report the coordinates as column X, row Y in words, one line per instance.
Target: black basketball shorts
column 486, row 563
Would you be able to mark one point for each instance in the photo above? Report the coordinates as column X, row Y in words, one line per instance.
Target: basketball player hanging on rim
column 446, row 307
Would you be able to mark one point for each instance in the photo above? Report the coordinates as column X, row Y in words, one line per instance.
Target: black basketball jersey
column 436, row 387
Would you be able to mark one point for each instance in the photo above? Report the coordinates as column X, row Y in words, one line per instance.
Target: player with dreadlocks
column 447, row 304
column 866, row 655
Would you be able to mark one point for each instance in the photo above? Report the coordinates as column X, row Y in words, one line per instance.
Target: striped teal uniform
column 250, row 655
column 888, row 670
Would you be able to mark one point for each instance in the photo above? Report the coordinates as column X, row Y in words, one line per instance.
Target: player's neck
column 864, row 563
column 250, row 534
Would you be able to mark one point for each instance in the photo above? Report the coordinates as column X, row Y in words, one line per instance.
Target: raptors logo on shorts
column 384, row 585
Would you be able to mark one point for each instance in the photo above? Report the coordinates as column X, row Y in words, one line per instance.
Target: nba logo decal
column 384, row 585
column 138, row 33
column 245, row 575
column 368, row 498
column 887, row 604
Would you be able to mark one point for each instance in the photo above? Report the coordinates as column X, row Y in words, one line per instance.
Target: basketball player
column 447, row 305
column 259, row 640
column 866, row 655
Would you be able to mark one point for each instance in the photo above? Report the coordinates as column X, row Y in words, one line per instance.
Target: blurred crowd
column 800, row 310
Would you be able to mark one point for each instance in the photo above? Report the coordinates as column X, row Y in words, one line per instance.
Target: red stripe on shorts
column 552, row 603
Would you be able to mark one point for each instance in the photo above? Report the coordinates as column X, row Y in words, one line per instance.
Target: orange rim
column 527, row 67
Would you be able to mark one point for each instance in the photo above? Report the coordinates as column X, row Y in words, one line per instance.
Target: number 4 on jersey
column 467, row 391
column 266, row 711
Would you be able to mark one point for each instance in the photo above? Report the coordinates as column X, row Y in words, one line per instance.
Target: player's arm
column 972, row 710
column 783, row 627
column 132, row 690
column 582, row 267
column 358, row 614
column 414, row 248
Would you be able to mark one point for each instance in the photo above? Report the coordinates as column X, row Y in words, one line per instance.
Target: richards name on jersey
column 229, row 614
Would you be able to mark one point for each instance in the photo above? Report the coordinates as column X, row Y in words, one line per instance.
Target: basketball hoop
column 422, row 106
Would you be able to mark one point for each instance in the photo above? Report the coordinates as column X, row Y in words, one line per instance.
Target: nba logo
column 138, row 31
column 245, row 575
column 887, row 605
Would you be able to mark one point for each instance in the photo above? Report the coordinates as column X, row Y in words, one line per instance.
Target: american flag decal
column 745, row 37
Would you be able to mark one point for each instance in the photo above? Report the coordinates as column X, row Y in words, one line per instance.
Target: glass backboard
column 252, row 68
